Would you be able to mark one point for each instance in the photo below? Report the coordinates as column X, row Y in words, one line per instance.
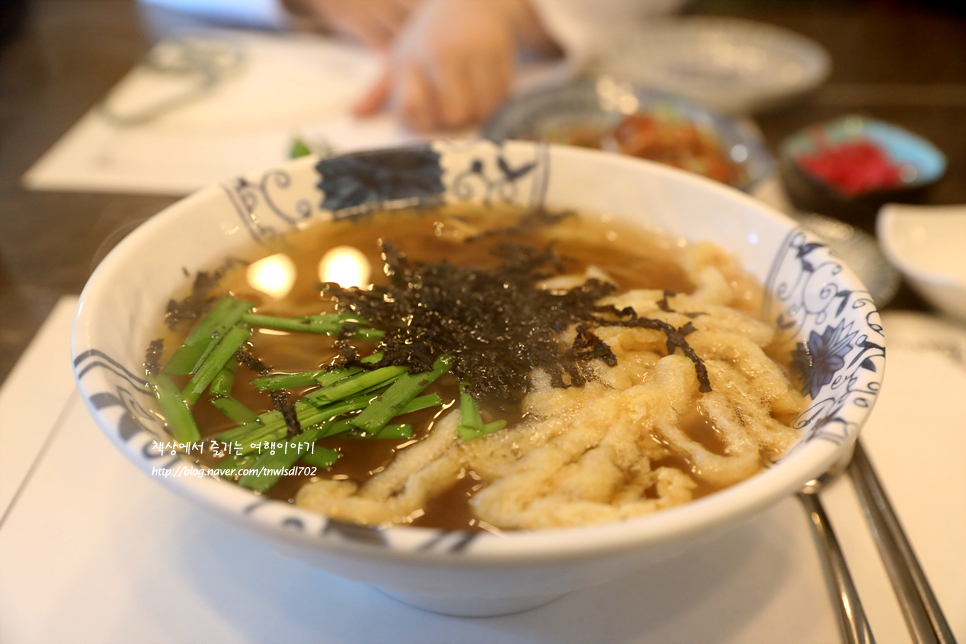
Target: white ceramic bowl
column 814, row 297
column 928, row 245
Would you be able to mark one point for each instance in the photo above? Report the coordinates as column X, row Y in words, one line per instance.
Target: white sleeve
column 250, row 13
column 584, row 28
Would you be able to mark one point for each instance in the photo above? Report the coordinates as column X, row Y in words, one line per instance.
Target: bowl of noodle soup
column 573, row 498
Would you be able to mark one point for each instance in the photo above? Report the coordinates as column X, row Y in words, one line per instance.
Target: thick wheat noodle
column 593, row 454
column 711, row 317
column 415, row 476
column 749, row 408
column 740, row 460
column 760, row 372
column 390, row 481
column 569, row 467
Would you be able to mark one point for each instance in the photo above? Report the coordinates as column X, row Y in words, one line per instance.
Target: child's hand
column 452, row 63
column 375, row 23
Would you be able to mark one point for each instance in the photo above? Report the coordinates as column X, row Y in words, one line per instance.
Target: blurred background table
column 899, row 61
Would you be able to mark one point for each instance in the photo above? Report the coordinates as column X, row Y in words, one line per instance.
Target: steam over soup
column 471, row 368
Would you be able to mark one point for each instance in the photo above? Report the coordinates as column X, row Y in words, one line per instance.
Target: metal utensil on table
column 924, row 617
column 852, row 617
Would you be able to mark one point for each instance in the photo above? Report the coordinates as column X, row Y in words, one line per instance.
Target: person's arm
column 375, row 23
column 453, row 63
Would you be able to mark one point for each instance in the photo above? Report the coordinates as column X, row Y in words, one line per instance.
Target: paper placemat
column 268, row 89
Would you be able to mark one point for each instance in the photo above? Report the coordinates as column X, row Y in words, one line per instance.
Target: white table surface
column 92, row 550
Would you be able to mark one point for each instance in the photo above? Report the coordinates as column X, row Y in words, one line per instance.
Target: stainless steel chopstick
column 924, row 617
column 852, row 618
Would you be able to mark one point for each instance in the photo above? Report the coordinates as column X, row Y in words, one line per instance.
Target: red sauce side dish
column 676, row 143
column 854, row 168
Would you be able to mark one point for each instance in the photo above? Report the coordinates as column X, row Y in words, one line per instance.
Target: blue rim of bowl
column 524, row 118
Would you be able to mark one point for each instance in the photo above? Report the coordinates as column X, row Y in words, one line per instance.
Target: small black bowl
column 919, row 162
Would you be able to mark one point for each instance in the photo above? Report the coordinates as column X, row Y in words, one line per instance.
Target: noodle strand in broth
column 476, row 368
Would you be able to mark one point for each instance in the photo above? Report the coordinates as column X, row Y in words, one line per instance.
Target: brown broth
column 635, row 259
column 451, row 510
column 701, row 430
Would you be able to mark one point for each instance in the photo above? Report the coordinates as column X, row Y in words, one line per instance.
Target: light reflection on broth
column 286, row 284
column 273, row 275
column 346, row 266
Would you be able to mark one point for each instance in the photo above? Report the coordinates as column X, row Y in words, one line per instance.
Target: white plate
column 733, row 65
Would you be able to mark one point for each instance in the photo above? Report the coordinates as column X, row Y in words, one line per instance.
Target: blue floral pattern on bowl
column 832, row 350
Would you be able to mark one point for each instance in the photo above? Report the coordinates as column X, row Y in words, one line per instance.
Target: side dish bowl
column 603, row 103
column 863, row 163
column 812, row 296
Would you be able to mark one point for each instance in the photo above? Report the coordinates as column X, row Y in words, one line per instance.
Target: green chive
column 390, row 404
column 299, row 149
column 335, row 428
column 312, row 324
column 396, row 431
column 322, row 457
column 355, row 384
column 235, row 410
column 268, row 466
column 326, row 378
column 469, row 433
column 287, row 380
column 421, row 402
column 175, row 410
column 389, row 431
column 337, row 318
column 469, row 409
column 260, row 421
column 224, row 315
column 234, row 462
column 265, row 418
column 233, row 340
column 312, row 416
column 318, row 426
column 221, row 385
column 489, row 428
